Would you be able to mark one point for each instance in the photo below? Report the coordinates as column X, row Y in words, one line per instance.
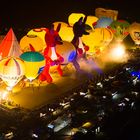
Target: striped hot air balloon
column 12, row 70
column 10, row 46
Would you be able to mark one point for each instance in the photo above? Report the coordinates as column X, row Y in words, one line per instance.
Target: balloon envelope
column 100, row 37
column 74, row 17
column 32, row 40
column 40, row 32
column 12, row 70
column 103, row 22
column 66, row 33
column 134, row 30
column 34, row 62
column 67, row 51
column 119, row 29
column 90, row 20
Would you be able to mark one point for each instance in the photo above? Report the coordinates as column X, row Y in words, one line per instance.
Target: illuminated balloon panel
column 90, row 20
column 119, row 29
column 102, row 12
column 103, row 22
column 34, row 62
column 40, row 32
column 63, row 24
column 134, row 30
column 74, row 17
column 66, row 33
column 12, row 70
column 100, row 37
column 67, row 51
column 31, row 40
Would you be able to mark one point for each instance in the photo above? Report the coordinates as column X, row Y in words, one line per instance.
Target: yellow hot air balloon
column 134, row 30
column 12, row 71
column 74, row 17
column 66, row 33
column 31, row 40
column 98, row 39
column 34, row 63
column 90, row 20
column 63, row 24
column 40, row 32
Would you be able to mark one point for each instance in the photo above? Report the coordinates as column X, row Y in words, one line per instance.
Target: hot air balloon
column 34, row 63
column 10, row 46
column 74, row 17
column 103, row 22
column 31, row 40
column 40, row 32
column 67, row 51
column 98, row 39
column 90, row 20
column 66, row 33
column 63, row 24
column 102, row 12
column 134, row 30
column 12, row 70
column 119, row 29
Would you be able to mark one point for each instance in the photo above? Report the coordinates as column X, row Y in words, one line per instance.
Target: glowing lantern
column 31, row 40
column 12, row 70
column 40, row 32
column 34, row 62
column 67, row 51
column 119, row 29
column 90, row 20
column 74, row 17
column 100, row 37
column 134, row 30
column 103, row 22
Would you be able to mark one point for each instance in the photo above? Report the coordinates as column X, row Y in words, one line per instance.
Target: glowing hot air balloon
column 103, row 22
column 67, row 51
column 119, row 29
column 98, row 39
column 12, row 70
column 134, row 30
column 40, row 32
column 74, row 17
column 66, row 33
column 31, row 40
column 90, row 20
column 63, row 24
column 34, row 62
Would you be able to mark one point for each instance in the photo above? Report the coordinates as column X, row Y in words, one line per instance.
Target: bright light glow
column 118, row 53
column 4, row 95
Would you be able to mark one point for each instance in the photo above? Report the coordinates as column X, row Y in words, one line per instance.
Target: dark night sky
column 37, row 13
